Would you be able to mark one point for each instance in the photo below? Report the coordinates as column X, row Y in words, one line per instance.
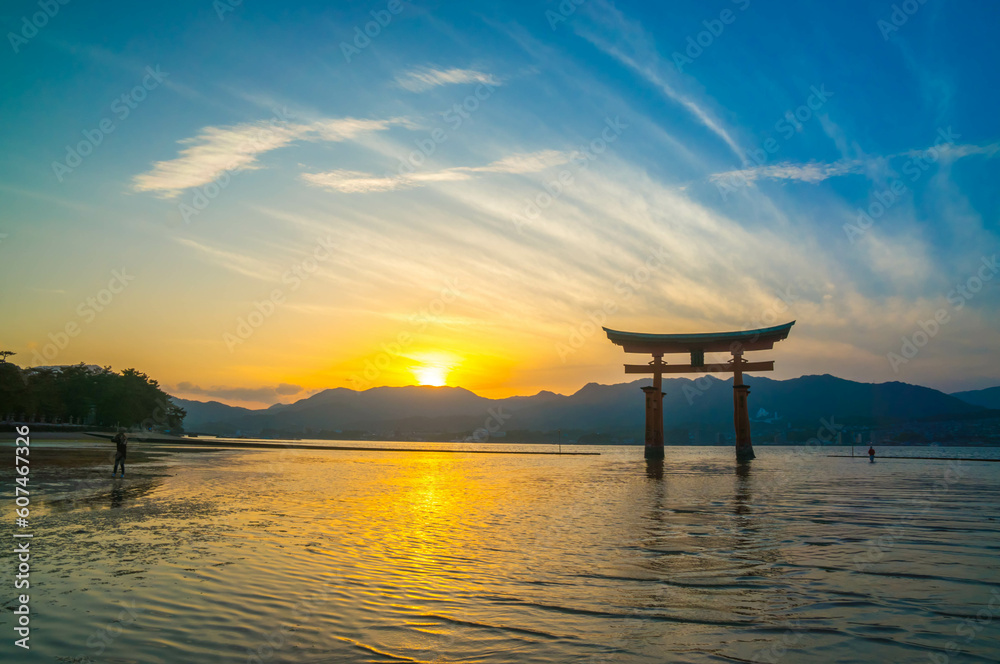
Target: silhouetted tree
column 13, row 389
column 130, row 398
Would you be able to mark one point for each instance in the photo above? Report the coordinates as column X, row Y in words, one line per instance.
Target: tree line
column 86, row 395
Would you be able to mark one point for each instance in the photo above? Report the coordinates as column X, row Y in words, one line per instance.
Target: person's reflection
column 654, row 469
column 117, row 496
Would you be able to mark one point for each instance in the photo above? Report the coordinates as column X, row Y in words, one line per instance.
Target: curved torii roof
column 712, row 342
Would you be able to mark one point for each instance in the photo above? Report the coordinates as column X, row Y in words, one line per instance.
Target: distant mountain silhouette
column 705, row 403
column 988, row 398
column 209, row 411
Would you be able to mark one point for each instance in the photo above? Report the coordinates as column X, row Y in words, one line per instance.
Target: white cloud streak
column 426, row 78
column 647, row 63
column 814, row 172
column 355, row 182
column 216, row 150
column 234, row 262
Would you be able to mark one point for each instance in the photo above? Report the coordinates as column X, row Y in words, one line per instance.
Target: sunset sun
column 434, row 367
column 431, row 375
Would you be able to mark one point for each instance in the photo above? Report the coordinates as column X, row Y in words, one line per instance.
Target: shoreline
column 865, row 456
column 226, row 442
column 175, row 443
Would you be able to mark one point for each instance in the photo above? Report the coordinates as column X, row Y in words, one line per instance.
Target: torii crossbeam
column 735, row 343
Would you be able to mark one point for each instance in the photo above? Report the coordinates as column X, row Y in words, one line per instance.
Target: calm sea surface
column 341, row 556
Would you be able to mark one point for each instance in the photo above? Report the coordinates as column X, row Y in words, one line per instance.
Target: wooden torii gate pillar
column 734, row 343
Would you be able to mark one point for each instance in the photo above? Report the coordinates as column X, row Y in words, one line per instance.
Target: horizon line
column 528, row 396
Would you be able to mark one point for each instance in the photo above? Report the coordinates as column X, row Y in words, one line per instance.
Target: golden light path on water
column 341, row 556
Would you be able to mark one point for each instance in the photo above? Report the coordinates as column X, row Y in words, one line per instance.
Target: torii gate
column 697, row 345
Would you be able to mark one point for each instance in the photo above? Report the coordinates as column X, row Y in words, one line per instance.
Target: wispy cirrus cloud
column 355, row 182
column 636, row 50
column 234, row 262
column 813, row 172
column 211, row 153
column 523, row 162
column 216, row 150
column 952, row 152
column 422, row 79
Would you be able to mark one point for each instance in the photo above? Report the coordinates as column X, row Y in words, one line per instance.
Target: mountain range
column 704, row 404
column 988, row 398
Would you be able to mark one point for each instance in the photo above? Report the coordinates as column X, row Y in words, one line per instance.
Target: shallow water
column 333, row 556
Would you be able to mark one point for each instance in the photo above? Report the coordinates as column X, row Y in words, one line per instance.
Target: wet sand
column 69, row 473
column 67, row 451
column 313, row 445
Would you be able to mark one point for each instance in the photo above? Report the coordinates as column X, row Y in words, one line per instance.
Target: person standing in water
column 121, row 445
column 871, row 454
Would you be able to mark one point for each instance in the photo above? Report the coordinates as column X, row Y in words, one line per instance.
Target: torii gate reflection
column 697, row 345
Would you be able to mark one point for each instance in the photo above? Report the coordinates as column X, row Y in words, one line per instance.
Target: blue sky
column 518, row 172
